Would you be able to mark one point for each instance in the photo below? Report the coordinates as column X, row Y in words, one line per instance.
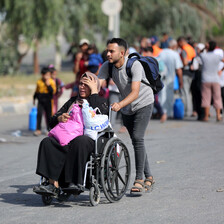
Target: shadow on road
column 21, row 197
column 24, row 198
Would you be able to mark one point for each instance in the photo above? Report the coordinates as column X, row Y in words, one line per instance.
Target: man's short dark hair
column 212, row 45
column 120, row 42
column 148, row 49
column 44, row 70
column 181, row 38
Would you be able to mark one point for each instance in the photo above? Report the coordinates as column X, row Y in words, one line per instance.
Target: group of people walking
column 199, row 68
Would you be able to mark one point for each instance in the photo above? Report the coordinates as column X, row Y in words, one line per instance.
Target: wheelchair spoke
column 114, row 176
column 119, row 157
column 120, row 177
column 121, row 167
column 112, row 159
column 117, row 184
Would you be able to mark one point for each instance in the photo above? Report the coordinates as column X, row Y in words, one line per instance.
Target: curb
column 15, row 108
column 23, row 105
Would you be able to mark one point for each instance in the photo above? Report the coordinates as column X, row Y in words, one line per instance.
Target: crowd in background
column 189, row 70
column 197, row 67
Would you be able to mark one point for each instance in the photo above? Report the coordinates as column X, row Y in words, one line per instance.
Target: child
column 45, row 89
column 95, row 60
column 59, row 88
column 93, row 64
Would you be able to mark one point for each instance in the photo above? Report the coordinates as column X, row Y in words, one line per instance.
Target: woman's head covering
column 79, row 100
column 93, row 76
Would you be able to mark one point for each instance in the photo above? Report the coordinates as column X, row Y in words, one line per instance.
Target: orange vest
column 156, row 50
column 190, row 51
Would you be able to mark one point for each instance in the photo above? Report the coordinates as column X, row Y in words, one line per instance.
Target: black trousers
column 43, row 106
column 65, row 164
column 222, row 94
column 196, row 94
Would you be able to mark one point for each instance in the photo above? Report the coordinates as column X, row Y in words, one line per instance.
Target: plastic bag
column 93, row 122
column 65, row 132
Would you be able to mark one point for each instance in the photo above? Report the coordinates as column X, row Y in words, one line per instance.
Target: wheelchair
column 107, row 171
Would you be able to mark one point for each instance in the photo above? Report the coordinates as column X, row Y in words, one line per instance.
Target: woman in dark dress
column 65, row 165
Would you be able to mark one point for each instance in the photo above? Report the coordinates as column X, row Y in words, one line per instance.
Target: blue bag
column 151, row 68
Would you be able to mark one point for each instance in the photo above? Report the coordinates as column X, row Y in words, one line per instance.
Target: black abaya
column 67, row 163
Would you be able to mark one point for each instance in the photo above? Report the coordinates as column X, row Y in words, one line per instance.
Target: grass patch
column 24, row 85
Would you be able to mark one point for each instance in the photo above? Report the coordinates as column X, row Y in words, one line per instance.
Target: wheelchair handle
column 110, row 108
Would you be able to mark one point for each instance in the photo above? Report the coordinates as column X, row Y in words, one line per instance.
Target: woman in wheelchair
column 65, row 165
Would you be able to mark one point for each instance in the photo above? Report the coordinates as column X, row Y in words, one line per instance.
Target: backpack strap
column 110, row 69
column 131, row 59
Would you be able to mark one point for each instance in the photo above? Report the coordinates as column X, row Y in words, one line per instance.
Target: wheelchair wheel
column 115, row 169
column 94, row 195
column 47, row 199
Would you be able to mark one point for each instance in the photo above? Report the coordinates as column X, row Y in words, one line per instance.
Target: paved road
column 186, row 159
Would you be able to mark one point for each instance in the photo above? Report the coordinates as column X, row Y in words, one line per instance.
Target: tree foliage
column 76, row 19
column 158, row 17
column 31, row 20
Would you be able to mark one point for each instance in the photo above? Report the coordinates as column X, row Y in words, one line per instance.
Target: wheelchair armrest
column 108, row 129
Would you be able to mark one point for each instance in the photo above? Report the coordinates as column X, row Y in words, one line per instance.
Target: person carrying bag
column 65, row 132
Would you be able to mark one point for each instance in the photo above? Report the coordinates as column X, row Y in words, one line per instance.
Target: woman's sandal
column 148, row 187
column 137, row 191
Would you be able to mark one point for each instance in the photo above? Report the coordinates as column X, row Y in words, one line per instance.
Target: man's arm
column 133, row 95
column 184, row 57
column 77, row 60
column 101, row 81
column 180, row 76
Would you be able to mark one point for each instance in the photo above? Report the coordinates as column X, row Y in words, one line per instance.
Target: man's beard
column 115, row 62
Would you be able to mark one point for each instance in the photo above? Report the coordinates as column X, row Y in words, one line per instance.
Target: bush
column 8, row 59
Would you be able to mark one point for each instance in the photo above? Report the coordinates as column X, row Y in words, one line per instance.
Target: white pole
column 117, row 25
column 111, row 27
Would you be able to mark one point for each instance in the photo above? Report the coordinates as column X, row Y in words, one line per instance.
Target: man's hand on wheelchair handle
column 116, row 107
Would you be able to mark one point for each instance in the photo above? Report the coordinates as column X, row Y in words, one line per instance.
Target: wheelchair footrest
column 39, row 191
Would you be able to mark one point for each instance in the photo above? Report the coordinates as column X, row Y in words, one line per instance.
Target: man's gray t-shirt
column 123, row 83
column 210, row 67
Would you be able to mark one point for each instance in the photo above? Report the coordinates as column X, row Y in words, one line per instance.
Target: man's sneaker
column 50, row 189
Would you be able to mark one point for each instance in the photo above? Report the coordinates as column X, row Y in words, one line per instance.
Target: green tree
column 13, row 25
column 34, row 20
column 84, row 18
column 146, row 18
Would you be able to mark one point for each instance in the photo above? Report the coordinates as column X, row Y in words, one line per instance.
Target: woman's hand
column 92, row 83
column 63, row 118
column 78, row 56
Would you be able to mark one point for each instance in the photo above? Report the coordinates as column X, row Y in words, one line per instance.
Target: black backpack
column 151, row 68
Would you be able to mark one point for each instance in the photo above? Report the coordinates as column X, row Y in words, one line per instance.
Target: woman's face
column 84, row 90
